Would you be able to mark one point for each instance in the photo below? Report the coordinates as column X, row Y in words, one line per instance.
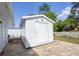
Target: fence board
column 68, row 34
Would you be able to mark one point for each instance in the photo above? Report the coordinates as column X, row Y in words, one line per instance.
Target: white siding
column 3, row 35
column 37, row 31
column 6, row 18
column 51, row 37
column 14, row 33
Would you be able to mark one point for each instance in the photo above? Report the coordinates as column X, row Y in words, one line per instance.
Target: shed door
column 41, row 31
column 37, row 33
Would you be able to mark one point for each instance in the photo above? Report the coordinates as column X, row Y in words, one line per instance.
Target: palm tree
column 44, row 9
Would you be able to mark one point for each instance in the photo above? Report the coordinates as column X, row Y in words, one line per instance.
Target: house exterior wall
column 33, row 32
column 6, row 18
column 3, row 35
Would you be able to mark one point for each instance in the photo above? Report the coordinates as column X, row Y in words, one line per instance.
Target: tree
column 67, row 23
column 75, row 12
column 58, row 26
column 75, row 6
column 51, row 15
column 44, row 9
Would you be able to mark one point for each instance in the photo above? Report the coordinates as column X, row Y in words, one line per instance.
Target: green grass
column 67, row 39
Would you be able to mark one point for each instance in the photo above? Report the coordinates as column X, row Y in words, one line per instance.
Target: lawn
column 67, row 39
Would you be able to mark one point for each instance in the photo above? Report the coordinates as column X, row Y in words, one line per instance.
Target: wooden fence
column 68, row 34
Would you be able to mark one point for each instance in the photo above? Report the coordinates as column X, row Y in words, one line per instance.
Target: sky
column 61, row 9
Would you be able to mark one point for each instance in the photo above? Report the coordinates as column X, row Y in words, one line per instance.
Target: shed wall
column 31, row 38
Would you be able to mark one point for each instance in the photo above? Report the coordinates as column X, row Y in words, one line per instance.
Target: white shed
column 36, row 30
column 5, row 20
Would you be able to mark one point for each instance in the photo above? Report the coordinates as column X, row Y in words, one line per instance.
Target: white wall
column 3, row 35
column 36, row 33
column 6, row 18
column 14, row 33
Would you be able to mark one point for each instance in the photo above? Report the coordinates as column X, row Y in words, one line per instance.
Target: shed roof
column 34, row 16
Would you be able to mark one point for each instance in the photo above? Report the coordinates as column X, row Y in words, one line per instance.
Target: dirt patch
column 16, row 48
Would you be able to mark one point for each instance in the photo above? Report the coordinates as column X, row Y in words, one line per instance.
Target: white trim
column 9, row 9
column 32, row 16
column 41, row 15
